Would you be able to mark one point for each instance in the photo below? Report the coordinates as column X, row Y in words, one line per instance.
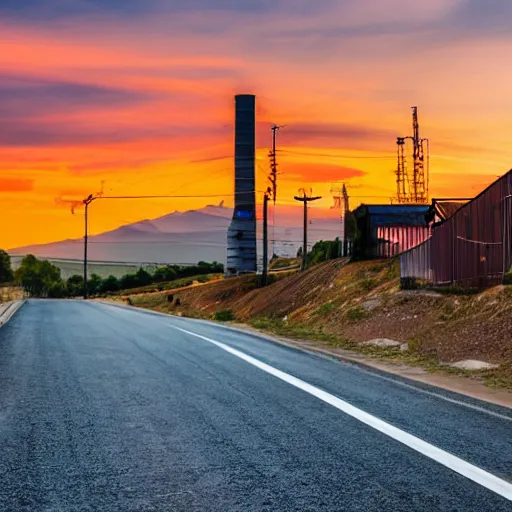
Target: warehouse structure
column 386, row 230
column 472, row 248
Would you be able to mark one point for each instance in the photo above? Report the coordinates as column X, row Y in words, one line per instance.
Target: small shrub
column 507, row 278
column 368, row 284
column 456, row 290
column 414, row 345
column 356, row 313
column 393, row 270
column 326, row 308
column 224, row 316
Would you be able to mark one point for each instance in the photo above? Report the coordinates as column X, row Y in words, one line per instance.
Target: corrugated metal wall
column 415, row 263
column 473, row 248
column 393, row 240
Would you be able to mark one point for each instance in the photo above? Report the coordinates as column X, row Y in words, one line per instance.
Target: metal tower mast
column 413, row 189
column 401, row 172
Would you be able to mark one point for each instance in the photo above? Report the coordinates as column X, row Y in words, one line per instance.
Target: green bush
column 37, row 276
column 224, row 316
column 356, row 313
column 325, row 309
column 6, row 273
column 324, row 250
column 455, row 290
column 507, row 278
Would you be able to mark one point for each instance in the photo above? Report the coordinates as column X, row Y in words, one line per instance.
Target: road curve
column 112, row 409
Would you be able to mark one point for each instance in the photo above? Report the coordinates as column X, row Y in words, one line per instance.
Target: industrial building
column 241, row 243
column 386, row 230
column 472, row 248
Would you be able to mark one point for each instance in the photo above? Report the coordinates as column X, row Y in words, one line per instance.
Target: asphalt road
column 110, row 409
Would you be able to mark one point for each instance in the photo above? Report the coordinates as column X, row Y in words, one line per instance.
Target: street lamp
column 305, row 198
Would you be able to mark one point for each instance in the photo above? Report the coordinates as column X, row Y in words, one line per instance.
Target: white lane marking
column 372, row 373
column 474, row 473
column 437, row 395
column 398, row 382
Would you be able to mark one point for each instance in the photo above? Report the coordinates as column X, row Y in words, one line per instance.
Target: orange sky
column 141, row 98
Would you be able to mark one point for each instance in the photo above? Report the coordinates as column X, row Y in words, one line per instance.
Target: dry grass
column 8, row 293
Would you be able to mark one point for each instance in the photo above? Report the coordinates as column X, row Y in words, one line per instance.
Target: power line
column 173, row 196
column 330, row 155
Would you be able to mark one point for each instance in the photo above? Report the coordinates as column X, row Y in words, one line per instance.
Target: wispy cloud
column 320, row 172
column 24, row 96
column 15, row 184
column 340, row 135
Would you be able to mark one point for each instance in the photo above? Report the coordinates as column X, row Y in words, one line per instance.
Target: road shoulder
column 8, row 310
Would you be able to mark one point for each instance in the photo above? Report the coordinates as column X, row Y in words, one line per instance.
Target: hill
column 184, row 238
column 348, row 304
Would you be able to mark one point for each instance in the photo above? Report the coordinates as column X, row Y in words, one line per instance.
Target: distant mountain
column 185, row 238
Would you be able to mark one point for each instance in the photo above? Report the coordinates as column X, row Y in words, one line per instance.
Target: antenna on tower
column 341, row 203
column 336, row 193
column 413, row 189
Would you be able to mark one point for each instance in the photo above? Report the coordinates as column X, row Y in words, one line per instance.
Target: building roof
column 442, row 209
column 445, row 209
column 393, row 214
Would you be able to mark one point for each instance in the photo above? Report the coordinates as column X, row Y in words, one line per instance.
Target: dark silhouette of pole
column 346, row 213
column 305, row 199
column 264, row 277
column 86, row 202
column 273, row 179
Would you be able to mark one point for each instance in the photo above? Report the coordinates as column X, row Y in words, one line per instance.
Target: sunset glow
column 136, row 97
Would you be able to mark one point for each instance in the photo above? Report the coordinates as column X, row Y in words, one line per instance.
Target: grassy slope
column 344, row 304
column 280, row 263
column 157, row 288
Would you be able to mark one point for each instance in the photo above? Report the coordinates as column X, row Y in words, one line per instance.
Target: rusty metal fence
column 415, row 263
column 473, row 248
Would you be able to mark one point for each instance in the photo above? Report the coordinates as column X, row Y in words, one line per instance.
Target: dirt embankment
column 356, row 302
column 10, row 293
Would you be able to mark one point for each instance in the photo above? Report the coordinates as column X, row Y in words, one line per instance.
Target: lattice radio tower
column 413, row 188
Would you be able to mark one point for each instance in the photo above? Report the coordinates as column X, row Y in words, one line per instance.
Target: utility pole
column 346, row 212
column 305, row 199
column 273, row 177
column 273, row 162
column 264, row 277
column 86, row 202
